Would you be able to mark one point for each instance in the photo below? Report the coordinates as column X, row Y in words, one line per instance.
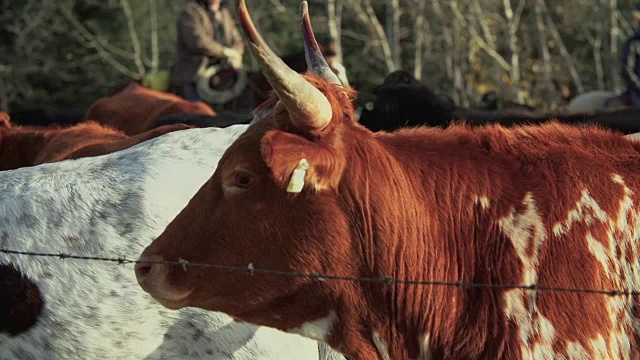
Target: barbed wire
column 388, row 280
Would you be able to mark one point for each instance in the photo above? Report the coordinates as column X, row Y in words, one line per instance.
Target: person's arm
column 195, row 38
column 237, row 42
column 630, row 63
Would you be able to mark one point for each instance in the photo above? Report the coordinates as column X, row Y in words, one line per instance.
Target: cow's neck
column 401, row 231
column 20, row 148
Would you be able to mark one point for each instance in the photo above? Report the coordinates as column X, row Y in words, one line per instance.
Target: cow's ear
column 298, row 163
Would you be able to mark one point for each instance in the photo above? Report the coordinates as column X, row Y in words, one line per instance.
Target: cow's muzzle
column 153, row 276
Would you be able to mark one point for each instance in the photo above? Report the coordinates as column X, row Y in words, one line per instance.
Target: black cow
column 221, row 120
column 491, row 101
column 47, row 117
column 402, row 101
column 397, row 102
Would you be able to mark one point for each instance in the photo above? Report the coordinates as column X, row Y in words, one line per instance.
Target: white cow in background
column 634, row 136
column 113, row 206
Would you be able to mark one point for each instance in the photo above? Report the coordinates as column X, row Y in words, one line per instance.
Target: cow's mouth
column 173, row 303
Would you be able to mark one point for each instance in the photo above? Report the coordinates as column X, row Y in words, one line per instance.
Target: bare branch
column 458, row 78
column 93, row 43
column 546, row 56
column 625, row 26
column 596, row 44
column 338, row 38
column 30, row 22
column 517, row 16
column 278, row 6
column 334, row 19
column 419, row 35
column 354, row 35
column 448, row 38
column 367, row 13
column 155, row 52
column 82, row 62
column 94, row 31
column 614, row 32
column 483, row 24
column 133, row 34
column 512, row 22
column 360, row 12
column 563, row 49
column 483, row 45
column 393, row 31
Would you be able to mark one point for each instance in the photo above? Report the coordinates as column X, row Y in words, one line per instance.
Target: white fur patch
column 318, row 329
column 634, row 136
column 585, row 202
column 526, row 231
column 115, row 205
column 425, row 348
column 381, row 346
column 612, row 253
column 482, row 200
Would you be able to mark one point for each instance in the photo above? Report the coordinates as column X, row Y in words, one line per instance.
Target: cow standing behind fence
column 112, row 206
column 458, row 243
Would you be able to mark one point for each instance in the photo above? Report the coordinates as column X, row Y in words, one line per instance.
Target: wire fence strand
column 387, row 280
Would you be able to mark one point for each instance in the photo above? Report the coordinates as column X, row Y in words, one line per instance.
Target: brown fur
column 5, row 120
column 135, row 109
column 405, row 204
column 27, row 146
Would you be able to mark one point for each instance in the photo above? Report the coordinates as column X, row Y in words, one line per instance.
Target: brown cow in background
column 22, row 146
column 5, row 120
column 136, row 109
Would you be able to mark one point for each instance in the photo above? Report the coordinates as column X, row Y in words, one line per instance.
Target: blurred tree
column 67, row 53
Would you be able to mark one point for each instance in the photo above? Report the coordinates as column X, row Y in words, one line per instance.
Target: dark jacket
column 631, row 61
column 197, row 41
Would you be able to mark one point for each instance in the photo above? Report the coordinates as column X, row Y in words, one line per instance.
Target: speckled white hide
column 113, row 206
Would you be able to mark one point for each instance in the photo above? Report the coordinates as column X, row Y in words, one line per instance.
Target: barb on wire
column 387, row 280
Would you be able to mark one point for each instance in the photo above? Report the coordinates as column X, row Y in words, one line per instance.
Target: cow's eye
column 242, row 179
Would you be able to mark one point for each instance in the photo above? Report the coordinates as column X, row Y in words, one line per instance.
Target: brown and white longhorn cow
column 551, row 205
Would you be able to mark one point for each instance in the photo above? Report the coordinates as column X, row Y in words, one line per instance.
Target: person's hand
column 236, row 62
column 233, row 57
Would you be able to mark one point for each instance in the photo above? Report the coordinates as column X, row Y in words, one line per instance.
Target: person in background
column 631, row 64
column 207, row 35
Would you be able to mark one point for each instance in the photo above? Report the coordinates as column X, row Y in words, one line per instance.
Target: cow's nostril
column 152, row 276
column 142, row 269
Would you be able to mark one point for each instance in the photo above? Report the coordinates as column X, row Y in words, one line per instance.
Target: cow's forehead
column 247, row 148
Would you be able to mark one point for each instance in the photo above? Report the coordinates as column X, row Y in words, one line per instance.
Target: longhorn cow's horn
column 308, row 108
column 315, row 60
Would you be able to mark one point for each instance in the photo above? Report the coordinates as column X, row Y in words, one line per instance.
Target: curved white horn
column 315, row 60
column 308, row 108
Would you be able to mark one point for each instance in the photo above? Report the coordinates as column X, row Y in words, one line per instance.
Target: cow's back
column 135, row 109
column 560, row 207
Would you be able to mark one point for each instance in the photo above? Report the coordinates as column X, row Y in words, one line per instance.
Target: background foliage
column 67, row 53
